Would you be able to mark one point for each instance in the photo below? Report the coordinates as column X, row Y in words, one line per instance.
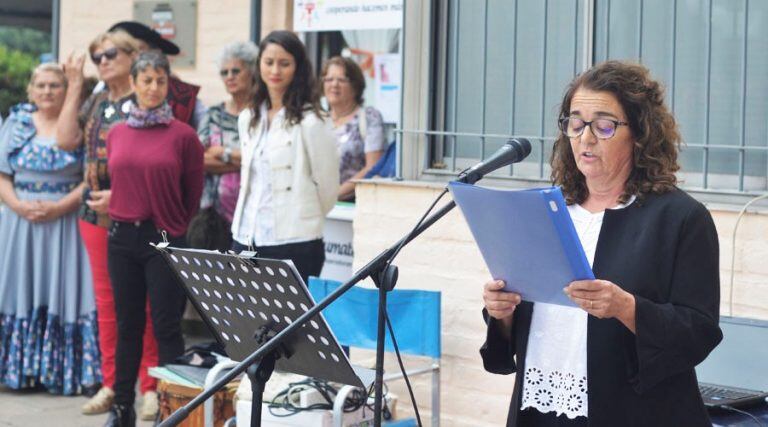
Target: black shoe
column 121, row 416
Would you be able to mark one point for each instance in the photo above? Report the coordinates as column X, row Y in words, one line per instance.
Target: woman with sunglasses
column 290, row 166
column 87, row 127
column 218, row 133
column 624, row 353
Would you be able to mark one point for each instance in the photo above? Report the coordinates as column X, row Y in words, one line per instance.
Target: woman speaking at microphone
column 156, row 167
column 625, row 355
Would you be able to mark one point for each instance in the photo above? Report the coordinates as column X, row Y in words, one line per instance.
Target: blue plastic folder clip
column 527, row 239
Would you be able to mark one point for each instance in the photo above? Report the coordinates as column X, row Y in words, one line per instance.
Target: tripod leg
column 379, row 384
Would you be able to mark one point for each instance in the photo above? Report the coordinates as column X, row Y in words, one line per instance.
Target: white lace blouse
column 555, row 378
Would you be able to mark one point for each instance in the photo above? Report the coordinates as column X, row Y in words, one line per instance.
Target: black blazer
column 663, row 250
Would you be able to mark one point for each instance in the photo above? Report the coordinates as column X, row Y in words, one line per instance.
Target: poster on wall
column 340, row 15
column 175, row 20
column 337, row 237
column 387, row 82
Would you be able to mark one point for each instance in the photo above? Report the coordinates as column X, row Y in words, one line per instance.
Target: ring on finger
column 591, row 304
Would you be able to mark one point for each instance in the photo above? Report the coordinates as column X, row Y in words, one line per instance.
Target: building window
column 501, row 68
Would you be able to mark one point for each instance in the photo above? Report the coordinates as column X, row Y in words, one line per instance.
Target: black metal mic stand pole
column 377, row 269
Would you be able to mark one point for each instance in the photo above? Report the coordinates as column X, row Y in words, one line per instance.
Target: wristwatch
column 226, row 156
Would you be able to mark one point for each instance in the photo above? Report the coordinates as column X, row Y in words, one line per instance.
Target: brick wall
column 446, row 259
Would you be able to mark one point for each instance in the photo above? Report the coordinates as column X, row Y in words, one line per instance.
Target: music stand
column 246, row 301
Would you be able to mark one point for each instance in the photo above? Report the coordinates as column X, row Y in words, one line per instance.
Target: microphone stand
column 384, row 275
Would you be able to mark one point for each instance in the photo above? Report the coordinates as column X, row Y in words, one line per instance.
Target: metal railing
column 536, row 169
column 712, row 173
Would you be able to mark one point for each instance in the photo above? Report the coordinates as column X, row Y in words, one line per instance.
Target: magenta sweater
column 156, row 173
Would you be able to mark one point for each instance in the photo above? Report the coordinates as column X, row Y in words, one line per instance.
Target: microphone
column 515, row 150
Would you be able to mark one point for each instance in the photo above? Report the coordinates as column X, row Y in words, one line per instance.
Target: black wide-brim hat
column 148, row 35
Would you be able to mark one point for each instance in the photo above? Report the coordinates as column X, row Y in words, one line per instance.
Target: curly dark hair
column 654, row 131
column 352, row 71
column 300, row 95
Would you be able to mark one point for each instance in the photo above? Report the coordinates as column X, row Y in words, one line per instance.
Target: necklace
column 113, row 96
column 338, row 119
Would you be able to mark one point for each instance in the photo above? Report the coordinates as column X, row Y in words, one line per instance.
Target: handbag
column 209, row 230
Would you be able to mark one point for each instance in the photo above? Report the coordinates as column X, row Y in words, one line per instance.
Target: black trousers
column 308, row 257
column 137, row 271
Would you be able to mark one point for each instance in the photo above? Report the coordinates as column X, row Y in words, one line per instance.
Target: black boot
column 121, row 416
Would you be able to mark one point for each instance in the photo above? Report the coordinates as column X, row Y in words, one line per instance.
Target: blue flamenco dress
column 48, row 330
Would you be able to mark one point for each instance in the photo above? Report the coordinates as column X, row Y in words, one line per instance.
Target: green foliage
column 26, row 40
column 20, row 50
column 15, row 69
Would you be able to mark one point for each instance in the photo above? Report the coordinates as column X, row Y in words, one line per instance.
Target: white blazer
column 305, row 174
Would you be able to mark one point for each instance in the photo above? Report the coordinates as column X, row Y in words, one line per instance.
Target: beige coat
column 304, row 164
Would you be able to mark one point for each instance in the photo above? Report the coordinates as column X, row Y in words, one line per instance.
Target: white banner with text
column 338, row 15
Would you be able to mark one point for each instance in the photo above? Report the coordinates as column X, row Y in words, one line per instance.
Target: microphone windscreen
column 522, row 148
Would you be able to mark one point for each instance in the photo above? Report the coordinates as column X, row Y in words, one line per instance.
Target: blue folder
column 527, row 239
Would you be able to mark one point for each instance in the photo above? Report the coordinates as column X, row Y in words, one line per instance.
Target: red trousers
column 95, row 239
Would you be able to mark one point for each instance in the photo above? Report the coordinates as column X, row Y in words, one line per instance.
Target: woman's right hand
column 49, row 210
column 73, row 68
column 99, row 201
column 500, row 304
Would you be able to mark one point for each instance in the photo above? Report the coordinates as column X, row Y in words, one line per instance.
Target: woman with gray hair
column 156, row 166
column 218, row 133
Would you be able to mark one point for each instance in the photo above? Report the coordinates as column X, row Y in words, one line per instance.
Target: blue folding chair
column 415, row 318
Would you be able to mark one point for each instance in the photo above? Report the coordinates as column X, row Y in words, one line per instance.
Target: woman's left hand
column 48, row 211
column 603, row 299
column 215, row 151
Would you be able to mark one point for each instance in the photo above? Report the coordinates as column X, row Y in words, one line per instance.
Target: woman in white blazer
column 290, row 164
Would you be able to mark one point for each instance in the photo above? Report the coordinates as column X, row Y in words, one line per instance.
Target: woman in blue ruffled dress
column 47, row 310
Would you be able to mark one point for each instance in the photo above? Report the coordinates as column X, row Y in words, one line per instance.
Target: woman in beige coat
column 290, row 165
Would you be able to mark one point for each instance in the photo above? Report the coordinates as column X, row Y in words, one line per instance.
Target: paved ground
column 40, row 409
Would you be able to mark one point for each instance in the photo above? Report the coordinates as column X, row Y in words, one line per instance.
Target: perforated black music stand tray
column 246, row 300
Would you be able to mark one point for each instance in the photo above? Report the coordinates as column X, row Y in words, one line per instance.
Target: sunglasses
column 233, row 71
column 110, row 54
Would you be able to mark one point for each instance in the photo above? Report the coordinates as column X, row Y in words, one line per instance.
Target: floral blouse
column 28, row 158
column 352, row 145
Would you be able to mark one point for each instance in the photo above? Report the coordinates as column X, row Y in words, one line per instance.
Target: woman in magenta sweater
column 156, row 167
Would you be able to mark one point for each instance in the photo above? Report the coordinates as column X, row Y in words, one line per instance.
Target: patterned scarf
column 159, row 116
